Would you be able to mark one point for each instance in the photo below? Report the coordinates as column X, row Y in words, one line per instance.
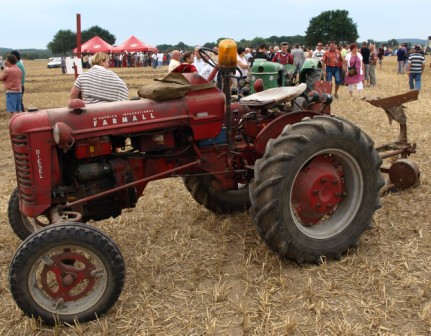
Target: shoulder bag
column 352, row 70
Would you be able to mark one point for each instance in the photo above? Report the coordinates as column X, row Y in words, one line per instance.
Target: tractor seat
column 272, row 97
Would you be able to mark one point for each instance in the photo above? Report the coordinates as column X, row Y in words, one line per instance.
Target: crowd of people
column 132, row 59
column 349, row 64
column 346, row 64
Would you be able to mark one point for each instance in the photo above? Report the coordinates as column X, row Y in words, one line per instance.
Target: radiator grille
column 23, row 168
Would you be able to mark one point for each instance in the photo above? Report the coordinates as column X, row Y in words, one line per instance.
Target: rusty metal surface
column 396, row 113
column 394, row 100
column 396, row 148
column 404, row 174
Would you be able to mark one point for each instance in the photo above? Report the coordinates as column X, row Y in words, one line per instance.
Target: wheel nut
column 318, row 205
column 47, row 260
column 97, row 273
column 323, row 180
column 334, row 182
column 315, row 192
column 59, row 303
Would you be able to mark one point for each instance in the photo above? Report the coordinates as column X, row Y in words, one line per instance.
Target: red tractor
column 310, row 180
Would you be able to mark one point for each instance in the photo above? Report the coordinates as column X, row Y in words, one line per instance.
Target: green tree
column 334, row 25
column 393, row 43
column 210, row 45
column 164, row 47
column 91, row 32
column 257, row 41
column 63, row 42
column 183, row 47
column 301, row 40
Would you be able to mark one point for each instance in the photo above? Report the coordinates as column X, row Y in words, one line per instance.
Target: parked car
column 55, row 62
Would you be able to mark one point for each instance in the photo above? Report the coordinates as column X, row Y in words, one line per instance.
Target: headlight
column 62, row 134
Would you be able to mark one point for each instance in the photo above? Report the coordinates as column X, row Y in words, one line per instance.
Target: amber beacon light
column 227, row 54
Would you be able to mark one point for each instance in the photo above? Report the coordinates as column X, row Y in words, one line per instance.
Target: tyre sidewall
column 16, row 218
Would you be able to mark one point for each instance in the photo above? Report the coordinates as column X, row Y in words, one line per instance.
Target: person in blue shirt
column 401, row 58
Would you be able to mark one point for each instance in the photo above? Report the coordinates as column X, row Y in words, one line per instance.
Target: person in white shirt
column 154, row 60
column 319, row 52
column 248, row 56
column 207, row 68
column 159, row 60
column 242, row 64
column 175, row 60
column 141, row 59
column 198, row 61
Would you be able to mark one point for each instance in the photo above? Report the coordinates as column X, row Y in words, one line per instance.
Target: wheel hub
column 318, row 189
column 68, row 276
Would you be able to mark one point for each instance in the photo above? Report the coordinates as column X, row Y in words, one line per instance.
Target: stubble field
column 190, row 272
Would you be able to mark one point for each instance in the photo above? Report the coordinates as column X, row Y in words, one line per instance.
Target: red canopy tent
column 94, row 45
column 132, row 44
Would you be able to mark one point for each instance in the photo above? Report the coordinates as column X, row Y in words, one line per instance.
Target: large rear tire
column 67, row 273
column 206, row 190
column 316, row 189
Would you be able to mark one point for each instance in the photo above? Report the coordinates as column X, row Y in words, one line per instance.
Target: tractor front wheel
column 205, row 189
column 66, row 273
column 316, row 189
column 22, row 225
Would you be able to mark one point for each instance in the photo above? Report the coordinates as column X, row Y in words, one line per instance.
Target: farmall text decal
column 125, row 118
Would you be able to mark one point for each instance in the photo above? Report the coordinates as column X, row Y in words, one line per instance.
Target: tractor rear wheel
column 205, row 189
column 67, row 272
column 316, row 189
column 22, row 225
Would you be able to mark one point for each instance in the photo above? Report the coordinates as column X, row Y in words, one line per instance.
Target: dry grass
column 190, row 272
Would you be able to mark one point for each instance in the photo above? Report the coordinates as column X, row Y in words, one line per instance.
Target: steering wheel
column 205, row 53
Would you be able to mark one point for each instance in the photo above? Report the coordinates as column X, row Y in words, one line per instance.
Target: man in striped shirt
column 416, row 65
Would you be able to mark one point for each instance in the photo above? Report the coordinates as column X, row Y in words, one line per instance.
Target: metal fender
column 274, row 128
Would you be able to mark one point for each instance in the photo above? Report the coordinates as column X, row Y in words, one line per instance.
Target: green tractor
column 267, row 75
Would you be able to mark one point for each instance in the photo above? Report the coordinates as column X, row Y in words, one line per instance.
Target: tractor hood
column 202, row 111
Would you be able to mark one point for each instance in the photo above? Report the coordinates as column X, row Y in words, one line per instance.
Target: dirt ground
column 190, row 272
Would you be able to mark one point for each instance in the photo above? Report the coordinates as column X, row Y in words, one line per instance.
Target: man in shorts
column 332, row 62
column 11, row 78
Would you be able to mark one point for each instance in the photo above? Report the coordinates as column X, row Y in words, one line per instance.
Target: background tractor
column 310, row 180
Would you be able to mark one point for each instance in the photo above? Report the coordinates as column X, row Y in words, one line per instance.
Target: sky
column 194, row 22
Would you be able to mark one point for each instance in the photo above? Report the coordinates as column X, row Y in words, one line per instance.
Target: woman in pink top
column 354, row 61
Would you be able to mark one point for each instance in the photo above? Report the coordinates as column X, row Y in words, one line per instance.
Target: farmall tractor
column 310, row 180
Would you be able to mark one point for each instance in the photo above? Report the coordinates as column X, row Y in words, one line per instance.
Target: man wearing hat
column 415, row 67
